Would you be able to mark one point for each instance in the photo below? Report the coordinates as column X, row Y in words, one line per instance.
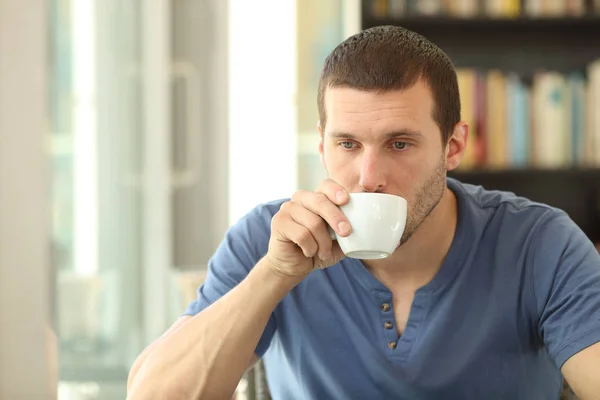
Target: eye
column 400, row 145
column 347, row 145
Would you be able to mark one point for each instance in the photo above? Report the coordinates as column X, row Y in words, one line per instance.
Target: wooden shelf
column 521, row 45
column 585, row 23
column 529, row 173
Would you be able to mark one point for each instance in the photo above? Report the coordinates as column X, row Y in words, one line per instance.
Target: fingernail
column 343, row 227
column 340, row 195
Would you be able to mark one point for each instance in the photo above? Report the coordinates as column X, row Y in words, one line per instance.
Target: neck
column 418, row 260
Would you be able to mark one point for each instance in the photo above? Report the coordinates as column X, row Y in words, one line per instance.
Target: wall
column 24, row 267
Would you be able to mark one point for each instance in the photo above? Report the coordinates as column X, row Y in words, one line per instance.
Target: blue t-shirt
column 518, row 294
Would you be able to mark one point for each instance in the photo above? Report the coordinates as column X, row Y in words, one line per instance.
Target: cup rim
column 360, row 194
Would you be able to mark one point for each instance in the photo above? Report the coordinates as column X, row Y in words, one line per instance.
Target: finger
column 296, row 233
column 337, row 255
column 316, row 225
column 334, row 191
column 320, row 204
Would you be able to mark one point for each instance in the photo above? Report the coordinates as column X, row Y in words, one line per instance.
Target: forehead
column 348, row 108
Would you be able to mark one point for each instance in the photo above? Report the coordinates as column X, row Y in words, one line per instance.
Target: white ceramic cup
column 377, row 221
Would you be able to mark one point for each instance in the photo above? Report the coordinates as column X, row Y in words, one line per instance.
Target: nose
column 372, row 174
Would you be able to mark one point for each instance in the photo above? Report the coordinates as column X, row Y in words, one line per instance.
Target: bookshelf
column 515, row 44
column 540, row 56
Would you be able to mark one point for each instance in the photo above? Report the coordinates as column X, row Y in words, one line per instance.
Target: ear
column 457, row 145
column 321, row 150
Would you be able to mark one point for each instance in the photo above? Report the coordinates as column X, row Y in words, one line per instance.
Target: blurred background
column 133, row 133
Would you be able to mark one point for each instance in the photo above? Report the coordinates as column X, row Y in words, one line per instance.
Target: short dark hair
column 386, row 58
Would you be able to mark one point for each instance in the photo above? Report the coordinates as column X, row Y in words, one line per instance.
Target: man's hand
column 300, row 240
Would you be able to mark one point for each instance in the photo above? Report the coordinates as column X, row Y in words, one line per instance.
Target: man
column 488, row 296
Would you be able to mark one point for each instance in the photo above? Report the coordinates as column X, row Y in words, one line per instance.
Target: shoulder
column 514, row 229
column 517, row 224
column 480, row 197
column 560, row 243
column 502, row 212
column 247, row 239
column 258, row 218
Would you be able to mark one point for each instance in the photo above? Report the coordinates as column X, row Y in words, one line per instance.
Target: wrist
column 280, row 279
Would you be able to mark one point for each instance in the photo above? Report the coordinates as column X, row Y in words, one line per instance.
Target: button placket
column 418, row 313
column 387, row 319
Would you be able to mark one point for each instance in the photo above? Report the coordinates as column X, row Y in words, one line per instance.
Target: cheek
column 411, row 176
column 407, row 171
column 406, row 185
column 340, row 165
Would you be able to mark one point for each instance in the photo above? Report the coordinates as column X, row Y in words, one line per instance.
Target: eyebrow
column 405, row 133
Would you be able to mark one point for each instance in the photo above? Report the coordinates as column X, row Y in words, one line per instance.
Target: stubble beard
column 427, row 198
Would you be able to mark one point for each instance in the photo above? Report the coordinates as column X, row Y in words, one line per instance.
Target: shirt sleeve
column 244, row 244
column 566, row 284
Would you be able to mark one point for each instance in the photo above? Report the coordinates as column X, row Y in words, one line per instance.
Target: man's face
column 387, row 143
